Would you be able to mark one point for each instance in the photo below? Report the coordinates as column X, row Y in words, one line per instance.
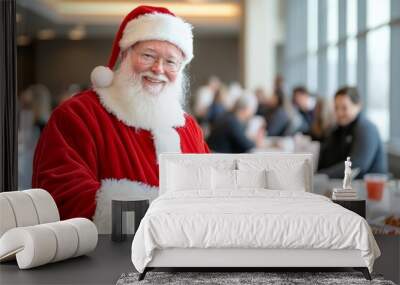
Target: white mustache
column 153, row 76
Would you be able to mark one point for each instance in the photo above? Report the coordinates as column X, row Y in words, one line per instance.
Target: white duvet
column 250, row 219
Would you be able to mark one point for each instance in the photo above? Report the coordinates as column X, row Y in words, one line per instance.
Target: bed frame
column 246, row 259
column 240, row 260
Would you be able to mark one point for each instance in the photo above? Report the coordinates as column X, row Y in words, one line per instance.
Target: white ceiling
column 101, row 18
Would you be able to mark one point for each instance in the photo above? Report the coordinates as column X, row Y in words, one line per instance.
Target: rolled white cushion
column 67, row 240
column 7, row 218
column 40, row 244
column 23, row 208
column 33, row 246
column 87, row 234
column 45, row 205
column 26, row 208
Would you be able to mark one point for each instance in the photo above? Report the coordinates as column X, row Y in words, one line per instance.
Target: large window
column 351, row 42
column 312, row 45
column 378, row 42
column 378, row 13
column 332, row 52
column 360, row 51
column 332, row 79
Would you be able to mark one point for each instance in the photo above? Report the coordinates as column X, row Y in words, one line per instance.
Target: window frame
column 8, row 97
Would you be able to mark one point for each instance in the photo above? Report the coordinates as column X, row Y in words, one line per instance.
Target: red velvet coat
column 83, row 145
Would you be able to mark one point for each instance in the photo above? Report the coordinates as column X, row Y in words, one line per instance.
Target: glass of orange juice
column 375, row 184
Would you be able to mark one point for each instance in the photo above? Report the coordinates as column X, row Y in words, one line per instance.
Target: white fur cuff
column 118, row 189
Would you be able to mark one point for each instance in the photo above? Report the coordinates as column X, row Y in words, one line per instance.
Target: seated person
column 276, row 115
column 354, row 136
column 204, row 98
column 217, row 108
column 324, row 120
column 228, row 135
column 304, row 104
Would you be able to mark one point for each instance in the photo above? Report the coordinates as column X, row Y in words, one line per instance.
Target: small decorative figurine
column 347, row 174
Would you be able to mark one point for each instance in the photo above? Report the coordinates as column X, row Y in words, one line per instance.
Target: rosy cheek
column 171, row 77
column 138, row 68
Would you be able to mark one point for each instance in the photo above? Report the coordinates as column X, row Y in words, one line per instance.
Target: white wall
column 261, row 32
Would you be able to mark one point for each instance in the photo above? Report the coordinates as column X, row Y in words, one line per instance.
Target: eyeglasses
column 149, row 59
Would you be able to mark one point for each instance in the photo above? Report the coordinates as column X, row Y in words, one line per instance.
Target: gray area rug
column 225, row 278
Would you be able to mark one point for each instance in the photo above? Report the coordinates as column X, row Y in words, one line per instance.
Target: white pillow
column 295, row 180
column 181, row 177
column 282, row 174
column 251, row 178
column 226, row 179
column 223, row 179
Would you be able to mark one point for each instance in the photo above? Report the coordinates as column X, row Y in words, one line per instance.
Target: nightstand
column 139, row 206
column 357, row 206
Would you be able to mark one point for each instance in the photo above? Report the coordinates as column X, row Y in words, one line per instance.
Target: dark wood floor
column 106, row 264
column 102, row 266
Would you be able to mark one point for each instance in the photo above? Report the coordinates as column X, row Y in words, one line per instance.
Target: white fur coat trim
column 111, row 100
column 166, row 140
column 118, row 189
column 158, row 26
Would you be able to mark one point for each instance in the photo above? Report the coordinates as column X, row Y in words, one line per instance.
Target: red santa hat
column 142, row 24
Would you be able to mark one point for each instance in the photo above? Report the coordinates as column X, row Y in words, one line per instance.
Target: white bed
column 200, row 223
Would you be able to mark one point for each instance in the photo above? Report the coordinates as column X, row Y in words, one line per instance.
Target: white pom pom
column 101, row 76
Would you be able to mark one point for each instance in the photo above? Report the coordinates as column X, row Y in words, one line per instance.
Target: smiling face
column 157, row 63
column 345, row 110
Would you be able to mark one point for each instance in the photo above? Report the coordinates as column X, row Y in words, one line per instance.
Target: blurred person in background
column 235, row 90
column 218, row 106
column 261, row 96
column 40, row 104
column 229, row 133
column 72, row 90
column 34, row 112
column 304, row 104
column 276, row 116
column 324, row 120
column 279, row 86
column 354, row 136
column 204, row 98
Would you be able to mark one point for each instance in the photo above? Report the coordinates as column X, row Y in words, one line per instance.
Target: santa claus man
column 104, row 142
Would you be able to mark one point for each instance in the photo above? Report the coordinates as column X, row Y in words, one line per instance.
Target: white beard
column 142, row 107
column 158, row 110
